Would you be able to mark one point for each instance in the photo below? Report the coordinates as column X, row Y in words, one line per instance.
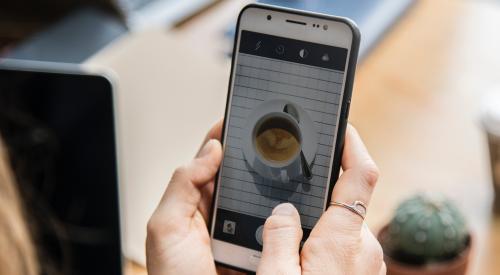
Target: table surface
column 416, row 104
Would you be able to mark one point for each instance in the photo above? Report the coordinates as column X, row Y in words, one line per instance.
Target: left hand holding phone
column 178, row 240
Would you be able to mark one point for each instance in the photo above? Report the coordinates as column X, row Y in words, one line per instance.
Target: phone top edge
column 348, row 21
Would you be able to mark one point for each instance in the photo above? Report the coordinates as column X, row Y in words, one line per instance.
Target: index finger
column 360, row 171
column 355, row 154
column 214, row 133
column 207, row 191
column 356, row 184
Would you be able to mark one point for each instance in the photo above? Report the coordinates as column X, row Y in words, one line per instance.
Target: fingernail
column 206, row 148
column 284, row 209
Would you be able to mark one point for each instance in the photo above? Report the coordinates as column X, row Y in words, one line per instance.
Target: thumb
column 282, row 235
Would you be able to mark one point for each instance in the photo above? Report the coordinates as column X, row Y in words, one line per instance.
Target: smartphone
column 289, row 95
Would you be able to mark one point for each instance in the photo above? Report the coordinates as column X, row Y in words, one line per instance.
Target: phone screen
column 280, row 134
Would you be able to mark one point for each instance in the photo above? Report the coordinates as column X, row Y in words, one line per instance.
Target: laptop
column 140, row 14
column 59, row 128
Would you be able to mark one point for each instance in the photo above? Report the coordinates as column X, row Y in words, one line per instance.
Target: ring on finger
column 357, row 207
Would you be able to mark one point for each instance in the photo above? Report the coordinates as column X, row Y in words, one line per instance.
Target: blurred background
column 424, row 97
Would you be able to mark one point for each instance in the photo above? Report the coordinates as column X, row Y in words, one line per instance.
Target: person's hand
column 340, row 243
column 178, row 241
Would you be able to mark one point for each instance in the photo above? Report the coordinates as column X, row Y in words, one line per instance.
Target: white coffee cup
column 289, row 165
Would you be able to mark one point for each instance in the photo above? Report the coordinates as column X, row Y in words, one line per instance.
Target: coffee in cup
column 277, row 138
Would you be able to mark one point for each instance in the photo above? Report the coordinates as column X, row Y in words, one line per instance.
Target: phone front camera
column 269, row 17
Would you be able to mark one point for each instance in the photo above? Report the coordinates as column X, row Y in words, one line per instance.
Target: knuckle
column 370, row 173
column 315, row 249
column 278, row 223
column 179, row 172
column 284, row 226
column 317, row 246
column 154, row 228
column 209, row 169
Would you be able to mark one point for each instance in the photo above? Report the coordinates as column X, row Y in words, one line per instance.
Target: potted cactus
column 427, row 235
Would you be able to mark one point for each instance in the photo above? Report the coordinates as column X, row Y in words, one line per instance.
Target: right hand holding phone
column 340, row 243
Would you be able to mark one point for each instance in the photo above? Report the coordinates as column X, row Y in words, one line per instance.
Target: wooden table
column 416, row 104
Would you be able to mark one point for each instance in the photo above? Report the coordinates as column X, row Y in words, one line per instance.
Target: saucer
column 309, row 142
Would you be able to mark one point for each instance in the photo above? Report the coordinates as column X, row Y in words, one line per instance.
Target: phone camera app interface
column 283, row 115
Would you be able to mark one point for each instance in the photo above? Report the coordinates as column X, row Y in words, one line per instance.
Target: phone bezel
column 242, row 258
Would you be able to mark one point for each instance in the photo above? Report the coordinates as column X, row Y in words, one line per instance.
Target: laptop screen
column 59, row 131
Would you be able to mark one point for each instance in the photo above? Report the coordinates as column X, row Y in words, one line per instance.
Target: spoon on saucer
column 306, row 170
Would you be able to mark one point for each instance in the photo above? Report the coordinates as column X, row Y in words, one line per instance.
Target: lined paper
column 317, row 91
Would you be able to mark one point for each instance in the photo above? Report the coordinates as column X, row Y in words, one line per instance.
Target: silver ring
column 357, row 207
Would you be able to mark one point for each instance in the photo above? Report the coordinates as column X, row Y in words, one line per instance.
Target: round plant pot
column 456, row 266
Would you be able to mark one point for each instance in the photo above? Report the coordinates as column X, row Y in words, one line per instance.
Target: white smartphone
column 288, row 101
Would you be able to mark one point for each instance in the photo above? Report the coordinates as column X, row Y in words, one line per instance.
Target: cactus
column 426, row 229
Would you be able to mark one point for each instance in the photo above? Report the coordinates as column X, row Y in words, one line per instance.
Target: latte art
column 277, row 144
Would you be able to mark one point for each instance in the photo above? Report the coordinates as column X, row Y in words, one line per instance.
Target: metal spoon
column 306, row 170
